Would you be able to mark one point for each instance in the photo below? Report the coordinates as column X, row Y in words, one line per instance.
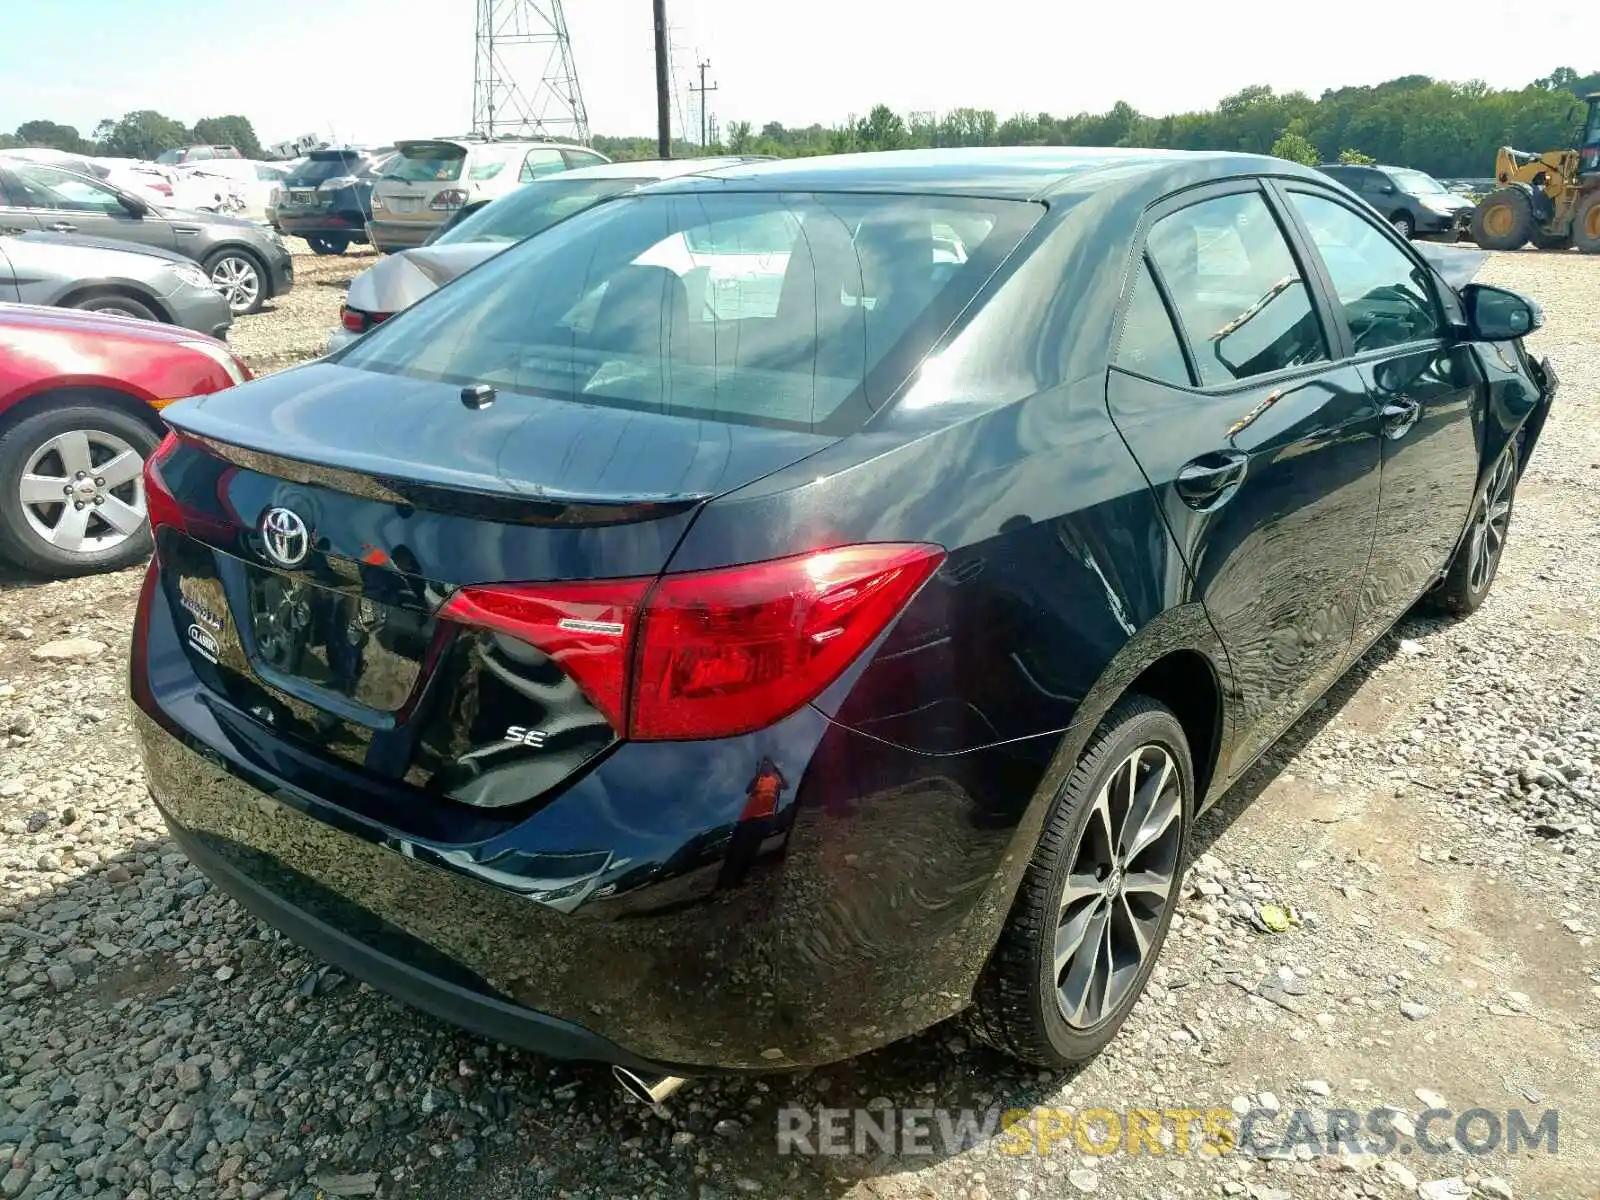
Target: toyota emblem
column 285, row 537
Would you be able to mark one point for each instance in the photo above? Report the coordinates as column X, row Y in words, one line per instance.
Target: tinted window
column 427, row 162
column 617, row 307
column 531, row 210
column 1386, row 296
column 540, row 163
column 1238, row 291
column 315, row 170
column 46, row 187
column 584, row 158
column 1149, row 344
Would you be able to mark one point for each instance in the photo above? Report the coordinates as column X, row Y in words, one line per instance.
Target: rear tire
column 1503, row 220
column 36, row 534
column 118, row 306
column 1466, row 584
column 1586, row 224
column 328, row 244
column 1040, row 999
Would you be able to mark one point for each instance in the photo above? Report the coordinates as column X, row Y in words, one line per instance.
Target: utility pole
column 705, row 127
column 663, row 103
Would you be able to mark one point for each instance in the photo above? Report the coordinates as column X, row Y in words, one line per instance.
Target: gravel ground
column 1397, row 908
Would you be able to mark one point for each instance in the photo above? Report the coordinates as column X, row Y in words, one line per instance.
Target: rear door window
column 539, row 162
column 583, row 158
column 1238, row 292
column 1149, row 344
column 786, row 310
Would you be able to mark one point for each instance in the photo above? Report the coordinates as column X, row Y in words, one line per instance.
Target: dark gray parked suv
column 248, row 262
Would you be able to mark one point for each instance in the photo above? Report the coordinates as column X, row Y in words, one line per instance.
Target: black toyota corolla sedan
column 772, row 612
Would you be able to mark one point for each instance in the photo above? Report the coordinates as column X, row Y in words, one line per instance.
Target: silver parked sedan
column 68, row 271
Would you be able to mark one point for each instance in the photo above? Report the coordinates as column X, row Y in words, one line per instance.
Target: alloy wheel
column 83, row 491
column 238, row 280
column 1124, row 869
column 1490, row 522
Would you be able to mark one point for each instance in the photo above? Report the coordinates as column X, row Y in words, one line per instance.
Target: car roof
column 469, row 143
column 651, row 168
column 998, row 172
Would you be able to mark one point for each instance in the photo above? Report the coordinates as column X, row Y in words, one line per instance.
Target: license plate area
column 342, row 642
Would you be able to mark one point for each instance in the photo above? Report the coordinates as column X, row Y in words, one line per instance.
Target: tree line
column 142, row 134
column 1447, row 129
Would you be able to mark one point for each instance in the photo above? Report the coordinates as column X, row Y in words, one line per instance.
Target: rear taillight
column 357, row 321
column 161, row 506
column 586, row 628
column 709, row 653
column 448, row 199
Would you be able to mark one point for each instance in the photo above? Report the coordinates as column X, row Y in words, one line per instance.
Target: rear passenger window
column 1386, row 297
column 1149, row 344
column 540, row 163
column 1244, row 307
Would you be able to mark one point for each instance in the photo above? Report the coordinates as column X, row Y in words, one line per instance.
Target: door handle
column 1210, row 479
column 63, row 227
column 1398, row 416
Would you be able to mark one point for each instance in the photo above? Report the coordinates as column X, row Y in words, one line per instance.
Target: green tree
column 1296, row 147
column 1350, row 156
column 739, row 137
column 144, row 134
column 48, row 133
column 229, row 131
column 882, row 129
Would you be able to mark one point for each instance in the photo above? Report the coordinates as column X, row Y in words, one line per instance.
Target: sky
column 375, row 70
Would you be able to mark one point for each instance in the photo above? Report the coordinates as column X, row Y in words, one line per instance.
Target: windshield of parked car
column 1416, row 183
column 533, row 209
column 426, row 162
column 793, row 311
column 314, row 170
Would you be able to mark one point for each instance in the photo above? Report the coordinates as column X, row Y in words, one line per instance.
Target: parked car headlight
column 219, row 355
column 193, row 276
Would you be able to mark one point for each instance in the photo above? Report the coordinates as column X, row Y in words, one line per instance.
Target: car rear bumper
column 456, row 1002
column 643, row 915
column 402, row 235
column 331, row 223
column 339, row 338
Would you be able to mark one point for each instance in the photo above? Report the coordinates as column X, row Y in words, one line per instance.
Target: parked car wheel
column 1503, row 220
column 328, row 244
column 72, row 489
column 240, row 278
column 1403, row 225
column 1466, row 584
column 117, row 306
column 1097, row 897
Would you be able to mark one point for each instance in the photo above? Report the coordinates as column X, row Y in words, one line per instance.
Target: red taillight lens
column 713, row 653
column 357, row 321
column 448, row 199
column 586, row 628
column 724, row 652
column 160, row 505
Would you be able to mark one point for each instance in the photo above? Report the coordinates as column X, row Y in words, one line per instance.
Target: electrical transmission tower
column 523, row 78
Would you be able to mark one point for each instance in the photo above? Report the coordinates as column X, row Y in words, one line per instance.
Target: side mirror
column 133, row 204
column 1497, row 315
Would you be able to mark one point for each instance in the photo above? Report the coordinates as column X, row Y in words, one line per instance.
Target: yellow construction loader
column 1550, row 199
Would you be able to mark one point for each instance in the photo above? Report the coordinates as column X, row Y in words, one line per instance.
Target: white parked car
column 427, row 182
column 249, row 181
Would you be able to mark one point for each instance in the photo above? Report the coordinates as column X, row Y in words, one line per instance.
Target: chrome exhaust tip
column 652, row 1089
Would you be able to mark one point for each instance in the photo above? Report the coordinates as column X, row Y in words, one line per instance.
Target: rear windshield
column 533, row 209
column 315, row 170
column 427, row 162
column 793, row 311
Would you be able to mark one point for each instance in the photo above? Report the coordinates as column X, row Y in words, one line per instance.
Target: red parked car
column 81, row 395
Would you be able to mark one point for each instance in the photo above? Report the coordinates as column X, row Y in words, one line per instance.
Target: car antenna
column 477, row 396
